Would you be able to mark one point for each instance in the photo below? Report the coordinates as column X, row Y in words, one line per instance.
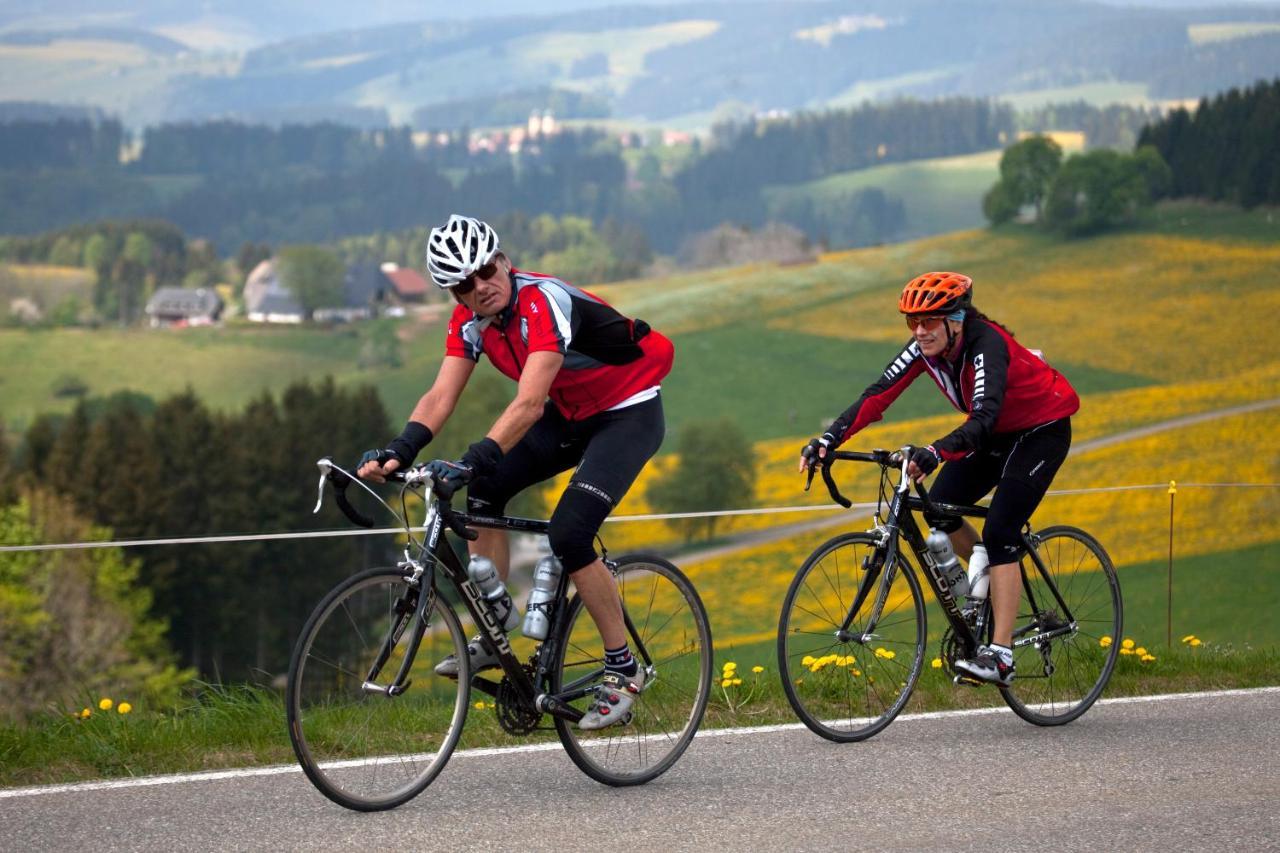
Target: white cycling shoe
column 612, row 703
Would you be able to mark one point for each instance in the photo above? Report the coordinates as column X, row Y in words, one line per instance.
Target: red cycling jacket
column 1001, row 385
column 608, row 358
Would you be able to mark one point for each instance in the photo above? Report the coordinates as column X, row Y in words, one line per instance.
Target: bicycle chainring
column 515, row 714
column 951, row 650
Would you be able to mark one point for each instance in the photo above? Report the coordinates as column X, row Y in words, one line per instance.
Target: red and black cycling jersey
column 1001, row 385
column 609, row 360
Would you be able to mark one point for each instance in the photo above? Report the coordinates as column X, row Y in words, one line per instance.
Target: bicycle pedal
column 967, row 681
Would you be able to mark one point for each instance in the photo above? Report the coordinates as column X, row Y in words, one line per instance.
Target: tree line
column 1227, row 150
column 234, row 183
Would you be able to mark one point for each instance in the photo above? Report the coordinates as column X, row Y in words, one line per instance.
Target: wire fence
column 1168, row 540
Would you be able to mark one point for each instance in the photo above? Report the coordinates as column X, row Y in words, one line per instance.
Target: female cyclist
column 1016, row 433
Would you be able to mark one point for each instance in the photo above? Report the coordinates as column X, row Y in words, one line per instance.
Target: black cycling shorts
column 609, row 449
column 1020, row 467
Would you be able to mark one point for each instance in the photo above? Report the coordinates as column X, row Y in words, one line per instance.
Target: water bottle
column 979, row 577
column 484, row 574
column 939, row 545
column 546, row 578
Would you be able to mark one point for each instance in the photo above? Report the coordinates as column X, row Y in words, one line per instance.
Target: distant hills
column 681, row 64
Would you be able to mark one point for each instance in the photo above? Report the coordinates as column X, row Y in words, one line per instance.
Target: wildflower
column 105, row 704
column 730, row 666
column 807, row 660
column 726, row 682
column 1195, row 641
column 1188, row 638
column 1127, row 643
column 124, row 707
column 1126, row 651
column 857, row 673
column 84, row 714
column 937, row 663
column 1147, row 658
column 757, row 669
column 1140, row 651
column 736, row 682
column 479, row 706
column 799, row 681
column 1105, row 642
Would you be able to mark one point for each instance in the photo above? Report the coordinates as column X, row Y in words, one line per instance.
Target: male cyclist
column 601, row 372
column 1016, row 435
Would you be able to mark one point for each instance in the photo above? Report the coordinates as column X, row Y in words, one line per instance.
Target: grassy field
column 939, row 195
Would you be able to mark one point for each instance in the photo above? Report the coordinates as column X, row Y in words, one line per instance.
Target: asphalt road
column 1192, row 772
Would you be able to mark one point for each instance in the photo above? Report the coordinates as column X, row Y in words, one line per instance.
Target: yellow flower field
column 1189, row 316
column 744, row 590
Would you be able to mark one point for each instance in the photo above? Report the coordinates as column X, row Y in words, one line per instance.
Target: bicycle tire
column 1081, row 664
column 368, row 751
column 672, row 623
column 832, row 684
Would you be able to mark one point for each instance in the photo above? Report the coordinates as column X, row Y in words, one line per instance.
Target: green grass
column 246, row 727
column 938, row 195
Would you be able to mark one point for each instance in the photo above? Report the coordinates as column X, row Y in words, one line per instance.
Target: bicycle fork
column 405, row 612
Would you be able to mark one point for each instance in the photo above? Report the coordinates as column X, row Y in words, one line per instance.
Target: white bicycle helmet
column 458, row 248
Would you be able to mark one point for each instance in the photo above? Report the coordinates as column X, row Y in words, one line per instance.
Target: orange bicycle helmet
column 936, row 293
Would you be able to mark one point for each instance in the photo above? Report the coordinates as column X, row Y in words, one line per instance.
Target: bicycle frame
column 900, row 523
column 434, row 550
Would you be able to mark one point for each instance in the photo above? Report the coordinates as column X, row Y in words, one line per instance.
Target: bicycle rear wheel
column 365, row 750
column 1059, row 677
column 849, row 690
column 671, row 626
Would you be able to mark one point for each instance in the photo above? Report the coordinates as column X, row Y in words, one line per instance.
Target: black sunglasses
column 468, row 284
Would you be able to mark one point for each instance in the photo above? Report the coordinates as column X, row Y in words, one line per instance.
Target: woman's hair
column 973, row 311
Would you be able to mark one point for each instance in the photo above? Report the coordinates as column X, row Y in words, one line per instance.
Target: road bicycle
column 852, row 632
column 373, row 724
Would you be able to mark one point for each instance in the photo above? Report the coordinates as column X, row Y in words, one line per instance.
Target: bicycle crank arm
column 551, row 705
column 388, row 691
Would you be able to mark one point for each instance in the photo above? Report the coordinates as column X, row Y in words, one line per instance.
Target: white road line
column 214, row 775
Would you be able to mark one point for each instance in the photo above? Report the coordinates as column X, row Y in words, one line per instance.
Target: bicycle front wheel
column 849, row 690
column 669, row 623
column 1062, row 664
column 362, row 748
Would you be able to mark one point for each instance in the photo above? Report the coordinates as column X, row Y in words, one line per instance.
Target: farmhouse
column 182, row 306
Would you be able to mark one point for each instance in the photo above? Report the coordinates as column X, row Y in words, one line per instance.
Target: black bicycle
column 852, row 634
column 373, row 724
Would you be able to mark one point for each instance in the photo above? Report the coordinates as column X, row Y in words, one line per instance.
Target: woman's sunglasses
column 929, row 322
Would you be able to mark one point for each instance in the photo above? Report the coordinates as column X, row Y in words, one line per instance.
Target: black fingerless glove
column 483, row 457
column 405, row 447
column 926, row 459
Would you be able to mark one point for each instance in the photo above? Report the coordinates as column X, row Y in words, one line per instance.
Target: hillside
column 666, row 63
column 805, row 339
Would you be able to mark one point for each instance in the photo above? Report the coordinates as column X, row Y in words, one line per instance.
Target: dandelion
column 726, row 682
column 1127, row 643
column 1195, row 642
column 105, row 704
column 479, row 706
column 85, row 714
column 807, row 660
column 1140, row 651
column 936, row 663
column 1147, row 658
column 1188, row 638
column 757, row 669
column 124, row 707
column 857, row 673
column 1105, row 642
column 730, row 666
column 737, row 682
column 1126, row 651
